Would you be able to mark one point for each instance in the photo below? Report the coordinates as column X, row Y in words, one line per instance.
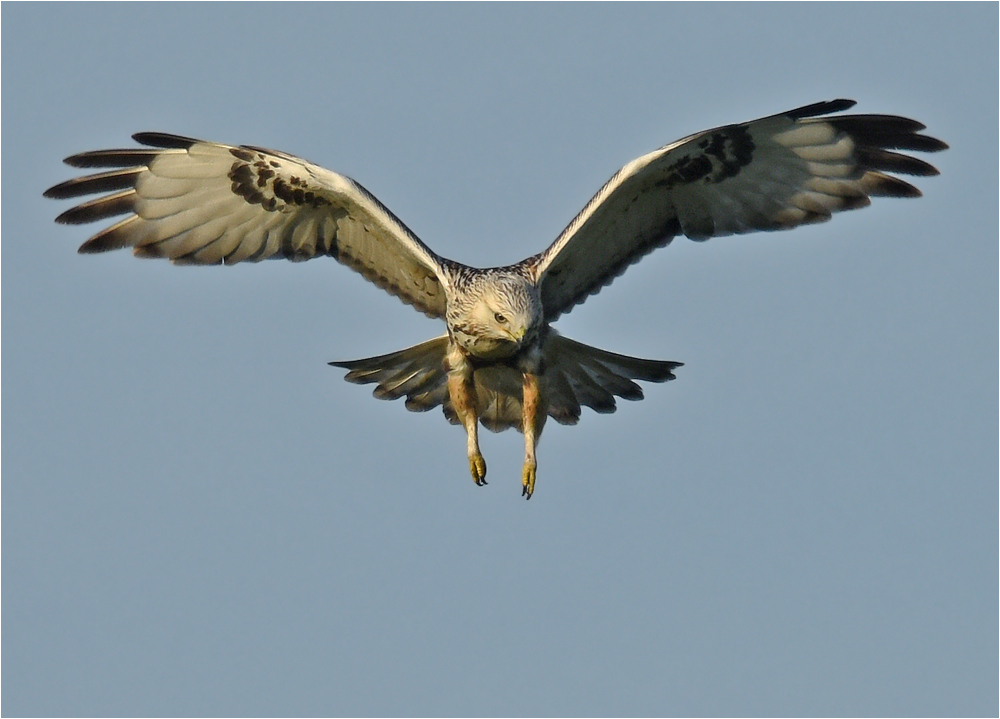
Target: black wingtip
column 99, row 244
column 821, row 108
column 122, row 157
column 935, row 145
column 164, row 140
column 91, row 248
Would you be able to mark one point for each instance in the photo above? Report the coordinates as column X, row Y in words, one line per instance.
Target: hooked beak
column 521, row 335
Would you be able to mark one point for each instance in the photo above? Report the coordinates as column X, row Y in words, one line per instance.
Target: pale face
column 504, row 315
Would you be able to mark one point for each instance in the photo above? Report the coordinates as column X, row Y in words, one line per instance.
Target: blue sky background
column 201, row 517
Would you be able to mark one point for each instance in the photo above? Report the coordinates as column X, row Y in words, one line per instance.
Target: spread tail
column 574, row 375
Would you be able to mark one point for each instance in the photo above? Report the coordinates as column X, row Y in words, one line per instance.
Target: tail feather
column 417, row 372
column 595, row 377
column 574, row 376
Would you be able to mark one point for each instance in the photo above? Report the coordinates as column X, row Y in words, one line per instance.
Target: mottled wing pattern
column 774, row 173
column 204, row 203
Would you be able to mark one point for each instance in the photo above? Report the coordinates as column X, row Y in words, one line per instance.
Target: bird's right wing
column 198, row 202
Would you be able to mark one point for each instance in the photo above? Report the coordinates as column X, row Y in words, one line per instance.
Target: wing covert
column 774, row 173
column 197, row 202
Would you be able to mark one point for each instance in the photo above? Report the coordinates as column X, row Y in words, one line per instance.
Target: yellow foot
column 528, row 480
column 477, row 466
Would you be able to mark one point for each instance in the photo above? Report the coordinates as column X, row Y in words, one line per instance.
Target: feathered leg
column 532, row 418
column 463, row 398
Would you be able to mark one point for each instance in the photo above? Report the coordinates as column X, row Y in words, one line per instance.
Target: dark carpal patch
column 257, row 180
column 723, row 153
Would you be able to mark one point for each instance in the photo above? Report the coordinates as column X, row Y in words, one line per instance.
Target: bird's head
column 503, row 314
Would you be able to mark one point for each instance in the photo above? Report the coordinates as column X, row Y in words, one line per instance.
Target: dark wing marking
column 203, row 203
column 774, row 173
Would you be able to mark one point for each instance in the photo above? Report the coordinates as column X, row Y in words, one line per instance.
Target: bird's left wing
column 198, row 202
column 774, row 173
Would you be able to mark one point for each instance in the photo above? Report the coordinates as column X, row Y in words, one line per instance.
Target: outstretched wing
column 203, row 203
column 774, row 173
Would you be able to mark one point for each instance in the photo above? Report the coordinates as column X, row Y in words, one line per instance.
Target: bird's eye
column 499, row 318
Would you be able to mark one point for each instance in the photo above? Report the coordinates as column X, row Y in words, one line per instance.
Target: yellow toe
column 477, row 467
column 528, row 480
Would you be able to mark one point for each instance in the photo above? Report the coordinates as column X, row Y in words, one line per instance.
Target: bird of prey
column 500, row 362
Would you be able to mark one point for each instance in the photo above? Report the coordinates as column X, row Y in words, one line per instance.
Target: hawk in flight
column 500, row 363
